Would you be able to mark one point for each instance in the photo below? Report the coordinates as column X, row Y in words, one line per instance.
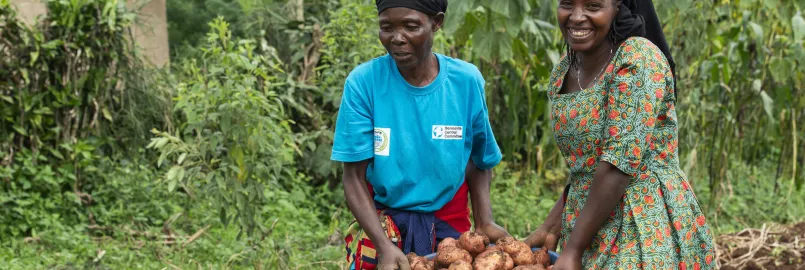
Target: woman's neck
column 423, row 73
column 592, row 60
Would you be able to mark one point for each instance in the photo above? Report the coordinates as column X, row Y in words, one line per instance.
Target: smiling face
column 407, row 35
column 586, row 24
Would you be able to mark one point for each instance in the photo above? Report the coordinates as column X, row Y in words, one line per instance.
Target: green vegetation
column 222, row 160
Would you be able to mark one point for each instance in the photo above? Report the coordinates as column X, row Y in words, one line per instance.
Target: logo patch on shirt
column 382, row 141
column 447, row 132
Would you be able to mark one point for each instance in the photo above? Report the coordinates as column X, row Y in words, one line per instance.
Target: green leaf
column 682, row 5
column 798, row 23
column 768, row 104
column 172, row 185
column 106, row 114
column 757, row 30
column 181, row 158
column 492, row 45
column 456, row 15
column 172, row 173
column 756, row 85
column 20, row 130
column 223, row 217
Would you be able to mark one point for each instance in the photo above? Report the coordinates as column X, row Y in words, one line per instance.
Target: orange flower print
column 573, row 113
column 623, row 87
column 558, row 83
column 614, row 250
column 650, row 122
column 557, row 127
column 708, row 259
column 638, row 209
column 573, row 158
column 657, row 77
column 697, row 266
column 613, row 114
column 563, row 119
column 583, row 122
column 683, row 266
column 648, row 107
column 590, row 162
column 623, row 71
column 648, row 199
column 662, row 117
column 595, row 113
column 658, row 93
column 663, row 155
column 677, row 225
column 700, row 220
column 599, row 151
column 613, row 131
column 636, row 151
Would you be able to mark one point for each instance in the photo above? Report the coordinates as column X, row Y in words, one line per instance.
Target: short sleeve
column 354, row 127
column 485, row 151
column 633, row 101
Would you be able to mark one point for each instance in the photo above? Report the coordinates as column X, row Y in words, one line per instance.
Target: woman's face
column 407, row 35
column 585, row 24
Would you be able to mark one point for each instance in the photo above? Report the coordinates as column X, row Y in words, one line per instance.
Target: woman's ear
column 438, row 21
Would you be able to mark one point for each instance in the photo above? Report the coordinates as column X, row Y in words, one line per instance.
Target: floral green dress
column 628, row 119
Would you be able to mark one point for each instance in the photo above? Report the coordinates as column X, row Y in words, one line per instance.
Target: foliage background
column 221, row 160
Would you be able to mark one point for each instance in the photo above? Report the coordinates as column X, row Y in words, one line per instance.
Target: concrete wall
column 150, row 32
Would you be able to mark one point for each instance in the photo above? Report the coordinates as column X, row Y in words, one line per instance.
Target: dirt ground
column 771, row 247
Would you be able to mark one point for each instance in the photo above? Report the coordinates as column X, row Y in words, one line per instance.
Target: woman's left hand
column 493, row 231
column 568, row 261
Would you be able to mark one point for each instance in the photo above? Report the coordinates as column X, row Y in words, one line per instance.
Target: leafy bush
column 70, row 92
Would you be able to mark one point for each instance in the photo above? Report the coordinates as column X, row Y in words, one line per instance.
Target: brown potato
column 504, row 240
column 514, row 247
column 530, row 267
column 447, row 242
column 489, row 249
column 473, row 242
column 421, row 264
column 493, row 260
column 524, row 257
column 509, row 265
column 411, row 257
column 541, row 257
column 460, row 265
column 449, row 255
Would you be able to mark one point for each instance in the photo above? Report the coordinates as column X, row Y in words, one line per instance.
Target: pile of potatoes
column 472, row 252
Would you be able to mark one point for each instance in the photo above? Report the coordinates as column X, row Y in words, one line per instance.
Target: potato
column 524, row 257
column 503, row 241
column 509, row 265
column 449, row 255
column 513, row 247
column 473, row 242
column 447, row 242
column 460, row 265
column 530, row 267
column 489, row 249
column 411, row 257
column 419, row 263
column 493, row 260
column 541, row 257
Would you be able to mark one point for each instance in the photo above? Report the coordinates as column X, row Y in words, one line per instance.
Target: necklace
column 578, row 72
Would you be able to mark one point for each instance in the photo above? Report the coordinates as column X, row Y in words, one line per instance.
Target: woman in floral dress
column 627, row 205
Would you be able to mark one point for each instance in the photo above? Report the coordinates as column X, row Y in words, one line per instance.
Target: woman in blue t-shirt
column 412, row 127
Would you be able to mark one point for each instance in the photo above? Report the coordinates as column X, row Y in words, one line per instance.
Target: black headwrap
column 638, row 18
column 430, row 7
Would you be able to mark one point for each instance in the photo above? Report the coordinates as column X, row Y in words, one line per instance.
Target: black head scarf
column 638, row 18
column 430, row 7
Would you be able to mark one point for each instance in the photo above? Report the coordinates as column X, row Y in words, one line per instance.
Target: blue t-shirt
column 421, row 138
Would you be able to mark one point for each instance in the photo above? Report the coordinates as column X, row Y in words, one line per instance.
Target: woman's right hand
column 547, row 235
column 392, row 258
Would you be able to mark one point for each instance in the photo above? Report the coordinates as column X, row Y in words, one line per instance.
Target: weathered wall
column 150, row 32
